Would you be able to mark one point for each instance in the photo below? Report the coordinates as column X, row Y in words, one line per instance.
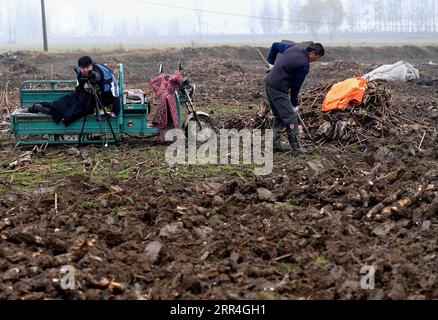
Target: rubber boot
column 278, row 146
column 39, row 108
column 294, row 141
column 278, row 127
column 296, row 145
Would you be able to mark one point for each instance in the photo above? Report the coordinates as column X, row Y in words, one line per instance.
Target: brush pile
column 377, row 116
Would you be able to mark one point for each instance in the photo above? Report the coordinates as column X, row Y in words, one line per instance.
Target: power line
column 230, row 14
column 240, row 15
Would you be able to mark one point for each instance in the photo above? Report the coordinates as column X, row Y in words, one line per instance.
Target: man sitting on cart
column 97, row 88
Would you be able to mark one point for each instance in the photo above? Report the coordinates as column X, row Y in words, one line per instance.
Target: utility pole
column 43, row 14
column 433, row 17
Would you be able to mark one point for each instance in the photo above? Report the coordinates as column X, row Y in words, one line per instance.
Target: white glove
column 270, row 66
column 296, row 109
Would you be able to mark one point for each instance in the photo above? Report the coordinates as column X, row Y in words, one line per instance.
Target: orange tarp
column 342, row 93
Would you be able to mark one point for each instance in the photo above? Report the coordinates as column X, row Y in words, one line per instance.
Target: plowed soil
column 133, row 228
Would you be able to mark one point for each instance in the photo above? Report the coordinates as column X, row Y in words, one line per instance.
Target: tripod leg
column 98, row 121
column 82, row 130
column 83, row 124
column 111, row 127
column 99, row 103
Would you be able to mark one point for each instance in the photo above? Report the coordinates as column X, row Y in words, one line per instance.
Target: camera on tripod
column 91, row 81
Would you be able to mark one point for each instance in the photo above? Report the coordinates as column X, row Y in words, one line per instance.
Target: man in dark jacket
column 90, row 74
column 283, row 84
column 91, row 78
column 276, row 48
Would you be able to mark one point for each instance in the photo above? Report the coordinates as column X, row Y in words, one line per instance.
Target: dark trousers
column 75, row 105
column 284, row 116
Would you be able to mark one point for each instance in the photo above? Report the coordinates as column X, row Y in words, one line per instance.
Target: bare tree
column 174, row 27
column 33, row 27
column 334, row 15
column 199, row 14
column 379, row 15
column 391, row 15
column 149, row 29
column 312, row 14
column 29, row 27
column 120, row 26
column 353, row 15
column 94, row 20
column 394, row 11
column 137, row 26
column 367, row 17
column 434, row 19
column 267, row 11
column 407, row 15
column 280, row 16
column 420, row 16
column 2, row 27
column 293, row 10
column 253, row 22
column 430, row 15
column 12, row 20
column 1, row 15
column 21, row 26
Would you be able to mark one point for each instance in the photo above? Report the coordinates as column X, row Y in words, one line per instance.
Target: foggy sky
column 21, row 19
column 73, row 18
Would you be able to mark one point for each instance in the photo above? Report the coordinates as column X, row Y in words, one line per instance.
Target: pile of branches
column 377, row 116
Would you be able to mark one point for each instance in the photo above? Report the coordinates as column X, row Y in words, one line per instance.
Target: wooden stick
column 262, row 56
column 426, row 125
column 7, row 99
column 422, row 140
column 307, row 130
column 283, row 257
column 56, row 203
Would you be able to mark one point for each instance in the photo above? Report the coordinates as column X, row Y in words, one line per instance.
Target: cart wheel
column 66, row 137
column 202, row 133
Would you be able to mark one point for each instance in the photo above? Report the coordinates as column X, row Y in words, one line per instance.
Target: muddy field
column 133, row 228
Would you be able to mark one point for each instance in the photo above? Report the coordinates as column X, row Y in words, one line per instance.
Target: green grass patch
column 29, row 179
column 125, row 174
column 318, row 157
column 89, row 204
column 296, row 159
column 394, row 147
column 287, row 267
column 321, row 262
column 289, row 205
column 227, row 109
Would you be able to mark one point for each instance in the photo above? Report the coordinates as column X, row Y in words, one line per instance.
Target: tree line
column 332, row 16
column 20, row 20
